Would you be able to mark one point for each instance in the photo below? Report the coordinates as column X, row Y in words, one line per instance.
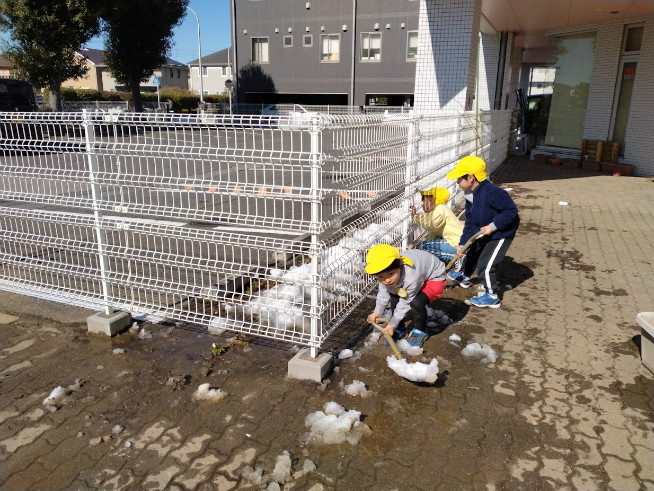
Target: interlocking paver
column 567, row 405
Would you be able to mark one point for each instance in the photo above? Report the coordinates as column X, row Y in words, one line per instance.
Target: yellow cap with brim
column 441, row 195
column 382, row 256
column 469, row 165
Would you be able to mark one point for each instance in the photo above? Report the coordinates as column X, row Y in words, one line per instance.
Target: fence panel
column 256, row 224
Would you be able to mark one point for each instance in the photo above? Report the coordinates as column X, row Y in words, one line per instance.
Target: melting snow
column 206, row 393
column 484, row 352
column 356, row 388
column 416, row 372
column 335, row 425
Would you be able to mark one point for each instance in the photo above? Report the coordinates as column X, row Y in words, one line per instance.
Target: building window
column 172, row 74
column 259, row 50
column 370, row 46
column 412, row 45
column 307, row 40
column 179, row 73
column 204, row 71
column 288, row 41
column 633, row 39
column 330, row 48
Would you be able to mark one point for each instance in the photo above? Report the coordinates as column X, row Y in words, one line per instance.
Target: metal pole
column 199, row 55
column 97, row 213
column 315, row 251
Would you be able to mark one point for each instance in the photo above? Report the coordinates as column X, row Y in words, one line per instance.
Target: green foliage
column 138, row 36
column 45, row 36
column 183, row 100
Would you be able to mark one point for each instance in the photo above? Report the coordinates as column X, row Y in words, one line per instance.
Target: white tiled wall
column 489, row 45
column 445, row 74
column 639, row 142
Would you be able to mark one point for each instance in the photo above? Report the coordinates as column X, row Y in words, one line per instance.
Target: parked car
column 17, row 96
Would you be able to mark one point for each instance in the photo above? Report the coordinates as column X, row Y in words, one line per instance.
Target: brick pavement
column 568, row 404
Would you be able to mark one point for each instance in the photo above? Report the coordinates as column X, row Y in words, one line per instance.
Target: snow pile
column 416, row 372
column 484, row 352
column 217, row 325
column 356, row 388
column 404, row 346
column 281, row 475
column 346, row 353
column 335, row 425
column 206, row 393
column 55, row 397
column 282, row 472
column 455, row 340
column 285, row 304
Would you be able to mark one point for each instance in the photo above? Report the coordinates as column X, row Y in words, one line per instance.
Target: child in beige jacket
column 443, row 229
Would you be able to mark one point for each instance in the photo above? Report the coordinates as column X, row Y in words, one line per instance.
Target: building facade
column 336, row 52
column 216, row 70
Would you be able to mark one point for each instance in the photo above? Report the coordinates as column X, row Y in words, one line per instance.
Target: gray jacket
column 426, row 267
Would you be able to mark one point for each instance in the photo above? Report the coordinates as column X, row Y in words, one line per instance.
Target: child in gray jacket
column 411, row 280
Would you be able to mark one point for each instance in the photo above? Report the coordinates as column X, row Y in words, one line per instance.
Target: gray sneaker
column 460, row 278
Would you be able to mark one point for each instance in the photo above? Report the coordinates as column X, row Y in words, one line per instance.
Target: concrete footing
column 304, row 366
column 110, row 325
column 646, row 321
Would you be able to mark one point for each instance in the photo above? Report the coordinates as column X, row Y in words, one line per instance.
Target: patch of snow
column 55, row 397
column 404, row 346
column 416, row 372
column 217, row 325
column 345, row 354
column 282, row 472
column 335, row 425
column 206, row 393
column 357, row 388
column 455, row 337
column 118, row 351
column 482, row 351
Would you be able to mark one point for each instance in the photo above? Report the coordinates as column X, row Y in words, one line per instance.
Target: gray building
column 325, row 52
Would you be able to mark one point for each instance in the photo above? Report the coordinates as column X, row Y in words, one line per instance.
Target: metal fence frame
column 256, row 224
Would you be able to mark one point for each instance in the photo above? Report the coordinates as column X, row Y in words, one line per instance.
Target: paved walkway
column 567, row 405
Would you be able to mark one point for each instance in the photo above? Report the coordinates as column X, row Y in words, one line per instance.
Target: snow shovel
column 465, row 247
column 388, row 337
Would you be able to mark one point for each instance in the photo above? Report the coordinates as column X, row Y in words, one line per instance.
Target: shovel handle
column 465, row 247
column 388, row 337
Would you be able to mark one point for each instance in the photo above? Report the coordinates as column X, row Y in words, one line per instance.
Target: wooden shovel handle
column 388, row 337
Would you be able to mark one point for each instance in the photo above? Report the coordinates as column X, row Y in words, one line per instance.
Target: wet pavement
column 567, row 405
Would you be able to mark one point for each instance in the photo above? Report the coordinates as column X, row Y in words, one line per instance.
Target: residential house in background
column 99, row 77
column 5, row 67
column 215, row 71
column 326, row 52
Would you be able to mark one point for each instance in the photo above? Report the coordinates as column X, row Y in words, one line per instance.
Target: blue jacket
column 490, row 205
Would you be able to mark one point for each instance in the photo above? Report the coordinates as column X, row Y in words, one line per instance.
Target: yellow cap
column 469, row 165
column 441, row 195
column 382, row 256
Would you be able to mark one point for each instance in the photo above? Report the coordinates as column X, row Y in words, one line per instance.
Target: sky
column 215, row 31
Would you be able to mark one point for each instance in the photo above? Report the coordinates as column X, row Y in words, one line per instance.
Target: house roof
column 96, row 56
column 219, row 58
column 5, row 62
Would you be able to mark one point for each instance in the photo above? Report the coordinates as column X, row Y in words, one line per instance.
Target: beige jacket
column 441, row 223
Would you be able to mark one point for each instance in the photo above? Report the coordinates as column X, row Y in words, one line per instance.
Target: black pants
column 485, row 254
column 419, row 308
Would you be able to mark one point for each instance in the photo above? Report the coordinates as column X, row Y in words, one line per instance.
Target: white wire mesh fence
column 256, row 224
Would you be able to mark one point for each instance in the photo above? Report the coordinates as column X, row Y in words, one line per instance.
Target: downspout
column 234, row 59
column 501, row 65
column 354, row 36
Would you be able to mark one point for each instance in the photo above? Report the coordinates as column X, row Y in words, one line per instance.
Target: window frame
column 287, row 36
column 205, row 71
column 369, row 59
column 328, row 36
column 260, row 40
column 304, row 38
column 408, row 37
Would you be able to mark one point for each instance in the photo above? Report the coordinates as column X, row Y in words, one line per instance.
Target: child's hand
column 486, row 230
column 372, row 318
column 389, row 329
column 413, row 210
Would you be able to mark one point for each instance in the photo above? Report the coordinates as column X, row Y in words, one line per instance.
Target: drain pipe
column 354, row 35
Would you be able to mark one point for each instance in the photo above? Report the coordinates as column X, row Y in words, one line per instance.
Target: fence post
column 407, row 176
column 315, row 252
column 92, row 160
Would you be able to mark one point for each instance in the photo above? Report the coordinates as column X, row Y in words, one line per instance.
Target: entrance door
column 622, row 102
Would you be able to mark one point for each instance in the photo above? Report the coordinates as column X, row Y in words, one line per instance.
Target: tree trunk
column 136, row 96
column 55, row 96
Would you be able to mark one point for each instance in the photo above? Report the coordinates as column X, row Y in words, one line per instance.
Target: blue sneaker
column 398, row 333
column 486, row 300
column 416, row 338
column 460, row 278
column 458, row 265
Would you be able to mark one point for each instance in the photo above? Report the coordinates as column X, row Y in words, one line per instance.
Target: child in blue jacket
column 490, row 209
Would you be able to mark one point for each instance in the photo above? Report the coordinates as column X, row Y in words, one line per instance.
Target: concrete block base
column 304, row 366
column 110, row 325
column 646, row 321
